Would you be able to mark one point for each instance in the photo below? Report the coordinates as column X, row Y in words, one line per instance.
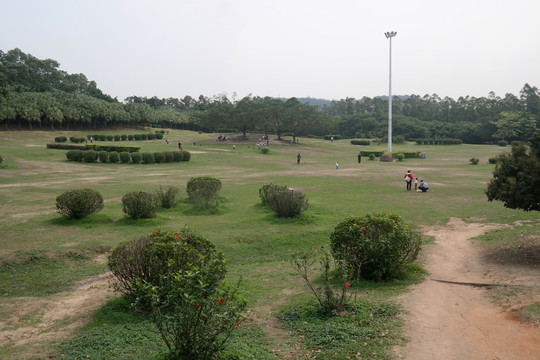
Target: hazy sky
column 324, row 49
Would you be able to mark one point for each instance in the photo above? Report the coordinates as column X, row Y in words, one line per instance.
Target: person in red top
column 409, row 179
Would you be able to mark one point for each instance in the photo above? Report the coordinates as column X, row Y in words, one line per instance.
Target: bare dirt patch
column 449, row 321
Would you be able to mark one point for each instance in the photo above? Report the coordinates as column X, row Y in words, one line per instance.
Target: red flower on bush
column 176, row 237
column 195, row 304
column 364, row 228
column 153, row 232
column 347, row 285
column 221, row 301
column 238, row 326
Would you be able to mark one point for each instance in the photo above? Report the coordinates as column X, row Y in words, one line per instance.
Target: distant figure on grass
column 415, row 184
column 180, row 146
column 337, row 165
column 408, row 179
column 423, row 186
column 298, row 157
column 194, row 142
column 234, row 147
column 167, row 141
column 359, row 157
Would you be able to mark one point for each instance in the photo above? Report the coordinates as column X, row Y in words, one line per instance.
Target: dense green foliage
column 140, row 205
column 516, row 179
column 203, row 191
column 77, row 204
column 375, row 246
column 167, row 197
column 285, row 201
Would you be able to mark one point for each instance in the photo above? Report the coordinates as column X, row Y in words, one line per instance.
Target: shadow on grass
column 86, row 222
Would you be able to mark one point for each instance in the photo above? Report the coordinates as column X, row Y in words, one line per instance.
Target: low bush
column 109, row 137
column 178, row 156
column 125, row 157
column 123, row 137
column 144, row 136
column 77, row 204
column 268, row 190
column 361, row 142
column 203, row 191
column 137, row 137
column 101, row 137
column 178, row 277
column 502, row 143
column 186, row 156
column 117, row 148
column 60, row 139
column 493, row 160
column 287, row 202
column 136, row 158
column 377, row 153
column 159, row 157
column 75, row 139
column 114, row 157
column 90, row 156
column 407, row 154
column 168, row 156
column 375, row 246
column 372, row 156
column 399, row 156
column 62, row 146
column 167, row 197
column 103, row 156
column 117, row 137
column 75, row 155
column 148, row 158
column 159, row 136
column 151, row 136
column 130, row 137
column 265, row 150
column 140, row 205
column 474, row 161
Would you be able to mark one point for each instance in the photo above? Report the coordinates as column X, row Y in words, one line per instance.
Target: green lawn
column 42, row 254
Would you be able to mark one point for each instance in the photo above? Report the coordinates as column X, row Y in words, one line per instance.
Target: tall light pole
column 390, row 35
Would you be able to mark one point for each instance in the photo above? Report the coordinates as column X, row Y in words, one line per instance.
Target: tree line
column 35, row 93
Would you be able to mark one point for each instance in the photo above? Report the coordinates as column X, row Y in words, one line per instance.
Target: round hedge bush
column 114, row 157
column 90, row 156
column 375, row 246
column 178, row 156
column 140, row 205
column 77, row 204
column 125, row 157
column 136, row 158
column 103, row 156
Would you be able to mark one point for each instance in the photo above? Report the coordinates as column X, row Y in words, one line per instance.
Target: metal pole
column 390, row 35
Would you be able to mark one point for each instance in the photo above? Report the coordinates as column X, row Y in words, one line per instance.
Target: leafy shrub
column 90, row 156
column 109, row 148
column 515, row 143
column 136, row 158
column 265, row 150
column 144, row 136
column 77, row 204
column 60, row 139
column 75, row 139
column 103, row 156
column 178, row 156
column 167, row 198
column 140, row 205
column 178, row 277
column 474, row 161
column 151, row 136
column 123, row 137
column 125, row 157
column 492, row 160
column 109, row 137
column 186, row 156
column 502, row 143
column 371, row 156
column 75, row 155
column 148, row 158
column 63, row 146
column 377, row 153
column 375, row 246
column 268, row 190
column 203, row 190
column 159, row 157
column 101, row 137
column 399, row 156
column 131, row 137
column 114, row 157
column 287, row 202
column 137, row 137
column 168, row 156
column 116, row 137
column 159, row 136
column 361, row 142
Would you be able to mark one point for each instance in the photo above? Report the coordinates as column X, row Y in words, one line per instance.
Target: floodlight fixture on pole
column 390, row 35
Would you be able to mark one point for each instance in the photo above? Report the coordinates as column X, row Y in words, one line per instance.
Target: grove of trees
column 36, row 94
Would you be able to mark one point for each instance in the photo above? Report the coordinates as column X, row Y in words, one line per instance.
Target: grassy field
column 42, row 254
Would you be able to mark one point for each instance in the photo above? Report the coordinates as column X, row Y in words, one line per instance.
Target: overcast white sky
column 324, row 49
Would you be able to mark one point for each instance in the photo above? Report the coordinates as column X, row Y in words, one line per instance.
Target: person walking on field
column 409, row 179
column 298, row 157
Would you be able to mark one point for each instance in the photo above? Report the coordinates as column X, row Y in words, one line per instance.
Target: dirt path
column 455, row 322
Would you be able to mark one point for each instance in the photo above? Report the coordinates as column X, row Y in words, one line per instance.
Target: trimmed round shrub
column 203, row 190
column 151, row 136
column 492, row 160
column 399, row 156
column 90, row 156
column 187, row 156
column 125, row 157
column 116, row 137
column 502, row 143
column 372, row 156
column 159, row 157
column 178, row 156
column 137, row 137
column 60, row 139
column 114, row 157
column 167, row 197
column 77, row 204
column 474, row 161
column 168, row 156
column 136, row 158
column 75, row 155
column 131, row 137
column 103, row 156
column 376, row 246
column 140, row 205
column 123, row 137
column 144, row 136
column 148, row 158
column 159, row 136
column 101, row 137
column 109, row 137
column 287, row 202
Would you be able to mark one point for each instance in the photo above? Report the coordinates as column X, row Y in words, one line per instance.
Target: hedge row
column 377, row 153
column 438, row 141
column 123, row 137
column 62, row 146
column 91, row 156
column 109, row 148
column 407, row 154
column 361, row 142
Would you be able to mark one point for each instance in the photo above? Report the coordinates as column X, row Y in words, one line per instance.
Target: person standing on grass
column 359, row 157
column 415, row 184
column 337, row 165
column 409, row 179
column 298, row 157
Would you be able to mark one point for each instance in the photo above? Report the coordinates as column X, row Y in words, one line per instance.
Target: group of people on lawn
column 409, row 179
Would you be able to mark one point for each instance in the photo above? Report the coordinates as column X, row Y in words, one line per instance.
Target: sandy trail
column 455, row 322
